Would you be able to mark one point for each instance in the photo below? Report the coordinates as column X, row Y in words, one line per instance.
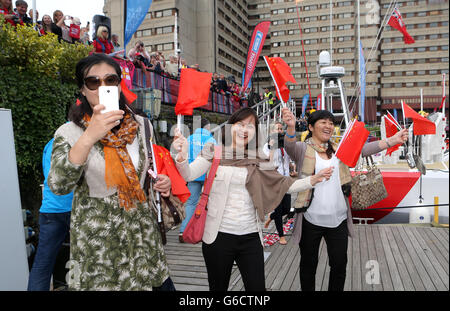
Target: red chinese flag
column 129, row 95
column 165, row 166
column 193, row 91
column 396, row 21
column 391, row 130
column 281, row 73
column 352, row 143
column 421, row 125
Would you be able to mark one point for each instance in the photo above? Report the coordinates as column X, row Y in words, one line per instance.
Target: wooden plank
column 190, row 274
column 385, row 278
column 440, row 235
column 189, row 281
column 424, row 254
column 443, row 232
column 296, row 283
column 438, row 252
column 420, row 261
column 187, row 268
column 364, row 249
column 408, row 257
column 405, row 278
column 294, row 268
column 372, row 248
column 356, row 261
column 280, row 278
column 190, row 287
column 274, row 263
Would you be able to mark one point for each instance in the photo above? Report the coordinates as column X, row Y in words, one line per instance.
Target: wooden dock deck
column 380, row 258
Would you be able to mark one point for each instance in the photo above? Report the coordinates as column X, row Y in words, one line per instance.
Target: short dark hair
column 77, row 112
column 322, row 115
column 204, row 122
column 20, row 3
column 240, row 115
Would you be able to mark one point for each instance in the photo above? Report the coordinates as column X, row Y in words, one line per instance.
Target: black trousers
column 279, row 212
column 246, row 250
column 337, row 243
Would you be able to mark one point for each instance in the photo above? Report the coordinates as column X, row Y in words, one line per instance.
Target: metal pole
column 343, row 103
column 359, row 60
column 33, row 5
column 421, row 99
column 331, row 32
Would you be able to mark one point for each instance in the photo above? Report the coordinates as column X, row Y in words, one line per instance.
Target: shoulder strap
column 213, row 170
column 101, row 44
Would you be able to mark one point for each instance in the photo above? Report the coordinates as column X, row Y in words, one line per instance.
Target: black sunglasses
column 93, row 82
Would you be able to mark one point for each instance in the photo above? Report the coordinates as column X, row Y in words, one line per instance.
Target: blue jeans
column 53, row 228
column 195, row 187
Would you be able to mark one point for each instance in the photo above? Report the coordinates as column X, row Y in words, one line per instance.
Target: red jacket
column 6, row 12
column 103, row 46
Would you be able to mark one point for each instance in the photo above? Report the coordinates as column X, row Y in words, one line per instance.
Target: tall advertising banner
column 134, row 12
column 255, row 47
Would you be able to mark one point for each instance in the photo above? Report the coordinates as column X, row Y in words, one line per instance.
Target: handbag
column 193, row 233
column 172, row 209
column 367, row 188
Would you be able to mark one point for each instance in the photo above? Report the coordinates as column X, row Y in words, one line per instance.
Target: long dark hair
column 321, row 115
column 77, row 112
column 240, row 115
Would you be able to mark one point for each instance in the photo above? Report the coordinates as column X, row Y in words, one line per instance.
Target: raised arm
column 374, row 147
column 292, row 147
column 193, row 170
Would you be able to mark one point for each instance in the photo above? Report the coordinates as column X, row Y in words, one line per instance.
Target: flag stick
column 275, row 82
column 304, row 56
column 393, row 119
column 180, row 119
column 403, row 113
column 158, row 197
column 443, row 94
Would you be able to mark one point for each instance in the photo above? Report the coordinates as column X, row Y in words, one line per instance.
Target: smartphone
column 109, row 97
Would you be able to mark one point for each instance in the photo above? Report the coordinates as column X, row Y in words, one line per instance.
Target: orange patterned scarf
column 119, row 169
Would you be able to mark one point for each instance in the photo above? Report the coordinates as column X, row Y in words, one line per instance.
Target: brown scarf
column 309, row 166
column 265, row 185
column 119, row 169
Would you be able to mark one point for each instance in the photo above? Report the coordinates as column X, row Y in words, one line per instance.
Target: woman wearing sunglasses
column 102, row 44
column 115, row 243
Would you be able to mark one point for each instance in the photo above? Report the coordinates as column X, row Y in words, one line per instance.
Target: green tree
column 37, row 82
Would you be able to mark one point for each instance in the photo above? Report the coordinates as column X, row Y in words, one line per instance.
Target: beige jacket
column 219, row 192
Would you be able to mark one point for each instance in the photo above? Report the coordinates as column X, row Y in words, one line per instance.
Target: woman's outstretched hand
column 322, row 175
column 180, row 146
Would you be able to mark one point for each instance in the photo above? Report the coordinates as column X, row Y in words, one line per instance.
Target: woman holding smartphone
column 114, row 239
column 246, row 187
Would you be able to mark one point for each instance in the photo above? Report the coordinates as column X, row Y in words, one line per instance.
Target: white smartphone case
column 109, row 97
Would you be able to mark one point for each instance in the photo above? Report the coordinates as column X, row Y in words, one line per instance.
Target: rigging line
column 377, row 41
column 374, row 47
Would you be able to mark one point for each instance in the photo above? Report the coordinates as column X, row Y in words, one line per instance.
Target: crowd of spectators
column 69, row 29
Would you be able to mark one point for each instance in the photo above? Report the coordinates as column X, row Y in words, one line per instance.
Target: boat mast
column 331, row 33
column 359, row 59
